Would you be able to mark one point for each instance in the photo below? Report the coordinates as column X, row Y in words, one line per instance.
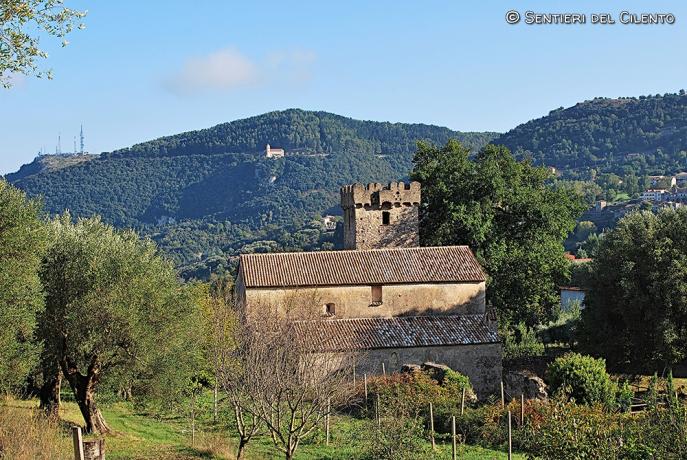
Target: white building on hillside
column 655, row 195
column 273, row 153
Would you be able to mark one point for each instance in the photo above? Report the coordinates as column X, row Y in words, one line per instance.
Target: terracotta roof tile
column 375, row 266
column 398, row 332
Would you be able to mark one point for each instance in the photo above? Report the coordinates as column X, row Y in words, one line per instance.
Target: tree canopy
column 636, row 305
column 22, row 241
column 207, row 195
column 508, row 213
column 114, row 309
column 22, row 22
column 646, row 135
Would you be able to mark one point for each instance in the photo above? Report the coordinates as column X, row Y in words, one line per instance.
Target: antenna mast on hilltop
column 58, row 149
column 81, row 136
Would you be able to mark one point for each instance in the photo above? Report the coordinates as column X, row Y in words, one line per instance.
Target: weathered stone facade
column 377, row 216
column 459, row 298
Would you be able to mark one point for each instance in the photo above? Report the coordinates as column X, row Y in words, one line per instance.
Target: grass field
column 138, row 436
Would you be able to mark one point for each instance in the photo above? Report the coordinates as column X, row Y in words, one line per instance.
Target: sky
column 145, row 69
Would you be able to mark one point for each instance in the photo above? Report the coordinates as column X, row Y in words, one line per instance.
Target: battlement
column 376, row 194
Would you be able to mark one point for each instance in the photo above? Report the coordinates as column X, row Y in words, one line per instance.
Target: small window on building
column 330, row 309
column 376, row 296
column 386, row 217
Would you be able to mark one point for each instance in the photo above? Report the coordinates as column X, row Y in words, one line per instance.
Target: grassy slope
column 137, row 436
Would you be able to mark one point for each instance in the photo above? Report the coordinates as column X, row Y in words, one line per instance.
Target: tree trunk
column 50, row 393
column 83, row 387
column 242, row 447
column 95, row 422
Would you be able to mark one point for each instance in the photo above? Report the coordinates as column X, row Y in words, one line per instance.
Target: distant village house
column 273, row 153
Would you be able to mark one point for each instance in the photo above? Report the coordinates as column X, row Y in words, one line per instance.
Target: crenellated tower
column 381, row 216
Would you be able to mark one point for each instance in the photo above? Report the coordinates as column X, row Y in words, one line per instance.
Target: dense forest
column 208, row 194
column 645, row 135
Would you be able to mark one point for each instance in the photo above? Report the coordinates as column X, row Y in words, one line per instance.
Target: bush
column 563, row 429
column 521, row 343
column 398, row 438
column 581, row 378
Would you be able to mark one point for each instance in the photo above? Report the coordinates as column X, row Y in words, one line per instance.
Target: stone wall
column 482, row 362
column 356, row 301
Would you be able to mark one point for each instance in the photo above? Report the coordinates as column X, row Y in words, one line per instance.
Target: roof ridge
column 344, row 251
column 438, row 316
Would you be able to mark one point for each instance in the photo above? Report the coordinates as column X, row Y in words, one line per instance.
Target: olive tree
column 113, row 307
column 22, row 241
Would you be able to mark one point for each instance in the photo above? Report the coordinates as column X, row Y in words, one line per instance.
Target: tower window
column 376, row 296
column 330, row 309
column 386, row 217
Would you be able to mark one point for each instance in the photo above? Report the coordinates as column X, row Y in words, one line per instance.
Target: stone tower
column 381, row 216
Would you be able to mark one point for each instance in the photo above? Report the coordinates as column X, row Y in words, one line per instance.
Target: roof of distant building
column 573, row 259
column 398, row 332
column 376, row 266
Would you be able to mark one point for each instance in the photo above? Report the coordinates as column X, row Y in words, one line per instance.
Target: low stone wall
column 481, row 363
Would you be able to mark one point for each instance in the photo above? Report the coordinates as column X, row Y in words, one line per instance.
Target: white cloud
column 228, row 69
column 225, row 69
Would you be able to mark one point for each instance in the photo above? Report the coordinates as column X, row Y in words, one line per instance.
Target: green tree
column 581, row 378
column 22, row 22
column 114, row 309
column 22, row 241
column 636, row 312
column 508, row 213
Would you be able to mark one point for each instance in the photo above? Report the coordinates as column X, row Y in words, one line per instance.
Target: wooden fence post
column 453, row 435
column 353, row 372
column 78, row 443
column 510, row 438
column 377, row 414
column 365, row 380
column 326, row 420
column 503, row 396
column 522, row 409
column 431, row 426
column 462, row 402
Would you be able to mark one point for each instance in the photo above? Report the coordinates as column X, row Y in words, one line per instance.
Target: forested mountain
column 205, row 195
column 646, row 135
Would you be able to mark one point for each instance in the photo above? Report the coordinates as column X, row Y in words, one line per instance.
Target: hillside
column 206, row 195
column 646, row 134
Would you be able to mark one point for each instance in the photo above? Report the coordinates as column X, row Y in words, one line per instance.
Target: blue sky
column 144, row 69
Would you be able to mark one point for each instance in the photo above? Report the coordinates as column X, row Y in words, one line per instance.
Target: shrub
column 581, row 378
column 410, row 393
column 563, row 429
column 401, row 438
column 521, row 343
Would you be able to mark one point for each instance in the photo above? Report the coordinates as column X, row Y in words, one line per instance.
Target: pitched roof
column 374, row 266
column 398, row 332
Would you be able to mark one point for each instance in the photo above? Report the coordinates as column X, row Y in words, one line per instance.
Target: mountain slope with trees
column 203, row 195
column 646, row 135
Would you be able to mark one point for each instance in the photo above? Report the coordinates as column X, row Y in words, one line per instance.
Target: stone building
column 377, row 216
column 385, row 297
column 273, row 153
